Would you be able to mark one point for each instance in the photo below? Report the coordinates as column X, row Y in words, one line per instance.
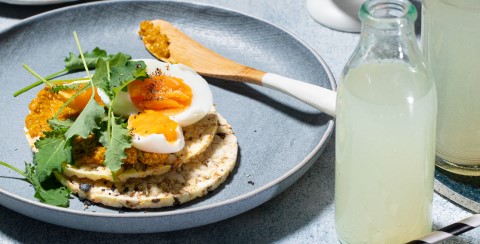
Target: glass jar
column 451, row 44
column 385, row 134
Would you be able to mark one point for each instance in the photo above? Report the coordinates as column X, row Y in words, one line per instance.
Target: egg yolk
column 161, row 93
column 153, row 122
column 81, row 100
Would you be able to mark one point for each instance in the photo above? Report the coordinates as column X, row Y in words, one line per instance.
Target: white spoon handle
column 318, row 97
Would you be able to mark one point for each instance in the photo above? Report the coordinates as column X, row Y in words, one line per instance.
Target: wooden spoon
column 185, row 50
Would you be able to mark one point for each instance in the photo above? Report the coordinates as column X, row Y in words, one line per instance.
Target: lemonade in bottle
column 385, row 134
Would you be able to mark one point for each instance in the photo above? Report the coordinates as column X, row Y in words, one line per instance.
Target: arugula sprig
column 53, row 150
column 73, row 63
column 115, row 140
column 112, row 74
column 55, row 196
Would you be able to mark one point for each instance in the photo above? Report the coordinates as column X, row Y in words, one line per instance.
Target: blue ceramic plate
column 279, row 137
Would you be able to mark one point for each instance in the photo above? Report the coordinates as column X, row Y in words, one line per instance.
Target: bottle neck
column 388, row 16
column 387, row 30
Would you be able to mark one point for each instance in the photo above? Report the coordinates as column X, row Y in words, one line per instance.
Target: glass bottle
column 385, row 134
column 451, row 44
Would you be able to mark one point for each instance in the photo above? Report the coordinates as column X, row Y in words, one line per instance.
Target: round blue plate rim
column 36, row 2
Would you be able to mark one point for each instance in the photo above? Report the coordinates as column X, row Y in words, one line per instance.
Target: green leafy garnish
column 58, row 196
column 60, row 125
column 73, row 63
column 112, row 74
column 116, row 141
column 52, row 152
column 87, row 121
column 124, row 73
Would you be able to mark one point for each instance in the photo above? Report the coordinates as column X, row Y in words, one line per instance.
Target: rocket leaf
column 60, row 125
column 122, row 75
column 55, row 196
column 58, row 196
column 112, row 76
column 116, row 141
column 52, row 152
column 74, row 62
column 87, row 121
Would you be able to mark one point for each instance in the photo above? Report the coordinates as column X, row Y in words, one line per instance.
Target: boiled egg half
column 173, row 96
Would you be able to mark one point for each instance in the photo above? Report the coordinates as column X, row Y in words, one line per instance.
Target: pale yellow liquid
column 451, row 44
column 385, row 151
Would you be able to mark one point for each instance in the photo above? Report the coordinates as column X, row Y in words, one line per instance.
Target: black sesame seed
column 176, row 201
column 85, row 187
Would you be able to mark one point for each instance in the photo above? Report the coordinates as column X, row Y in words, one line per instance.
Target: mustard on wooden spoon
column 169, row 44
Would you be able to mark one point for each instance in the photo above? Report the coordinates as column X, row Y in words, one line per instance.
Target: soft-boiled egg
column 166, row 91
column 173, row 96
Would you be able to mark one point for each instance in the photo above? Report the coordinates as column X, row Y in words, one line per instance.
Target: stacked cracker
column 204, row 163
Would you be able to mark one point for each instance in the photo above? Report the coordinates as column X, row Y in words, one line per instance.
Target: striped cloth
column 449, row 231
